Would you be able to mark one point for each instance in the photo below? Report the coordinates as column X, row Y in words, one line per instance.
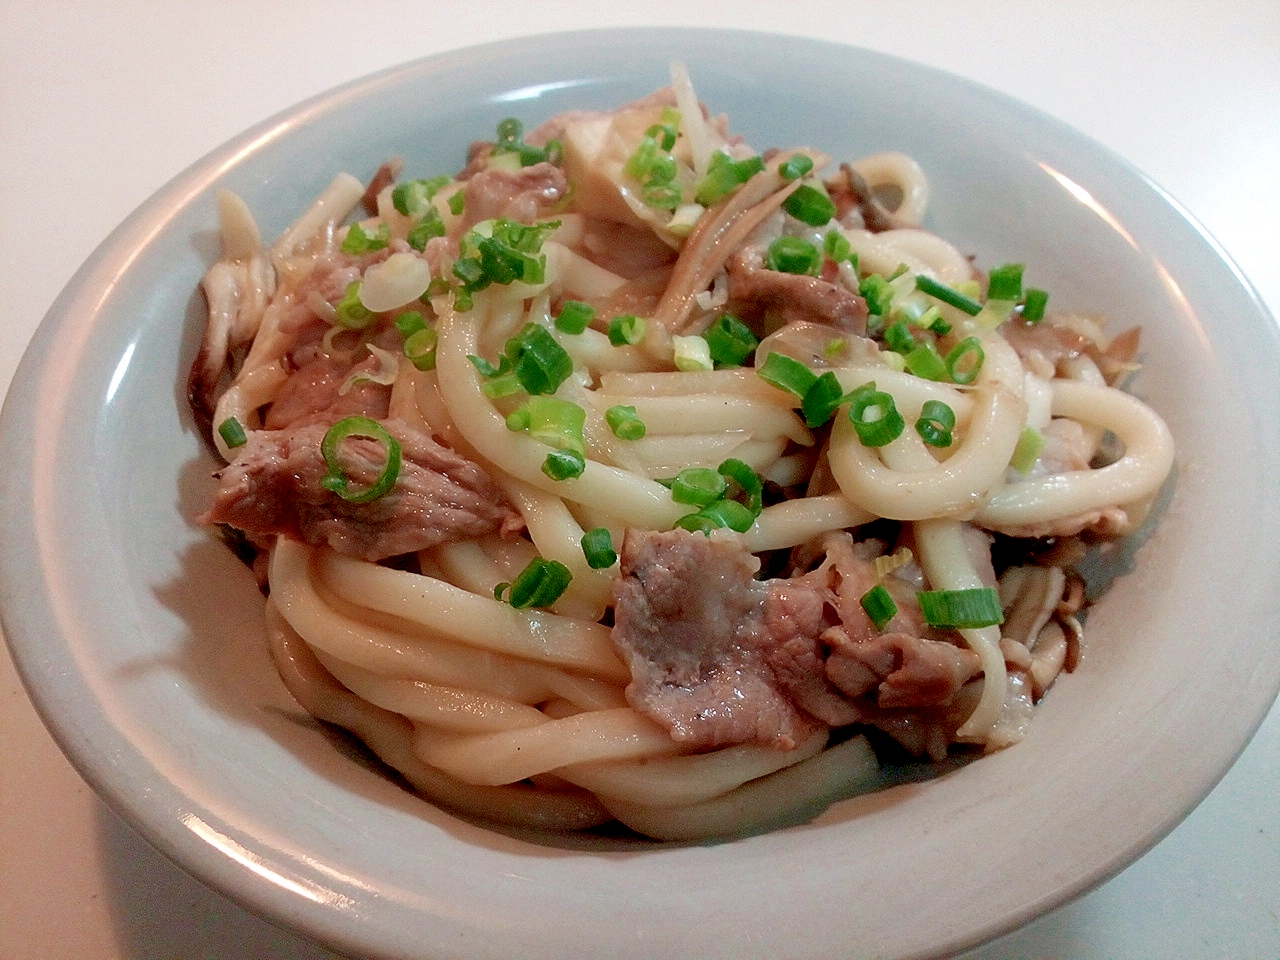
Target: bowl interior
column 140, row 637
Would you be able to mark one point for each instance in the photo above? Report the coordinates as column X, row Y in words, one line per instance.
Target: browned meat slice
column 784, row 298
column 899, row 669
column 273, row 487
column 718, row 657
column 523, row 195
column 688, row 620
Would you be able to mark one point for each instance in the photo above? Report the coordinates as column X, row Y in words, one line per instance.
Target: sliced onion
column 400, row 279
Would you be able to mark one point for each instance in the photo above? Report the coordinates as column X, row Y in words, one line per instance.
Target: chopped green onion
column 663, row 196
column 965, row 359
column 729, row 513
column 1027, row 452
column 740, row 472
column 597, row 547
column 420, row 348
column 625, row 422
column 1005, row 283
column 948, row 295
column 698, row 522
column 335, row 479
column 232, row 433
column 898, row 338
column 787, row 373
column 350, row 312
column 936, row 422
column 836, row 245
column 923, row 361
column 519, row 419
column 457, row 203
column 698, row 486
column 511, row 141
column 409, row 323
column 642, row 159
column 875, row 416
column 879, row 606
column 540, row 584
column 691, row 353
column 428, row 228
column 358, row 240
column 878, row 293
column 810, row 205
column 821, row 399
column 962, row 609
column 626, row 330
column 730, row 341
column 487, row 369
column 505, row 385
column 795, row 167
column 574, row 316
column 564, row 464
column 556, row 423
column 413, row 197
column 724, row 176
column 539, row 362
column 1034, row 304
column 793, row 255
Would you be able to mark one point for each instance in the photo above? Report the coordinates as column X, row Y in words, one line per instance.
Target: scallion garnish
column 574, row 316
column 810, row 205
column 964, row 360
column 875, row 416
column 540, row 584
column 420, row 348
column 961, row 609
column 698, row 486
column 795, row 167
column 879, row 606
column 1034, row 304
column 426, row 229
column 511, row 140
column 358, row 240
column 1027, row 452
column 457, row 203
column 335, row 479
column 350, row 312
column 1005, row 283
column 597, row 547
column 729, row 513
column 564, row 464
column 724, row 176
column 793, row 255
column 740, row 472
column 538, row 361
column 556, row 423
column 923, row 361
column 413, row 197
column 787, row 373
column 878, row 293
column 626, row 330
column 625, row 422
column 898, row 338
column 936, row 422
column 836, row 245
column 948, row 295
column 232, row 433
column 730, row 341
column 820, row 401
column 409, row 323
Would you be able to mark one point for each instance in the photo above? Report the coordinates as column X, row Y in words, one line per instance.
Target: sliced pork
column 274, row 487
column 719, row 657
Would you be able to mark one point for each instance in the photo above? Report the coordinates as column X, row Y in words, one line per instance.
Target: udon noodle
column 631, row 474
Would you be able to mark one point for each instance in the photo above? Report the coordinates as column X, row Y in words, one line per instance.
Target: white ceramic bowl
column 139, row 636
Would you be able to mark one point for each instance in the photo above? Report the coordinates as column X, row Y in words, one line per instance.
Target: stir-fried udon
column 633, row 474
